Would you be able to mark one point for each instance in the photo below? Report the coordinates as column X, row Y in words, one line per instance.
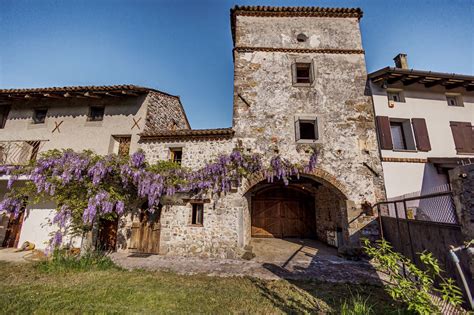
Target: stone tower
column 300, row 83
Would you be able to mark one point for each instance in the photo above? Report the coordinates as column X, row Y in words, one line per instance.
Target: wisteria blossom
column 87, row 186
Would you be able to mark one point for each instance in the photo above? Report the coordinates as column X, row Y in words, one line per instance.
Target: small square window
column 197, row 214
column 39, row 115
column 395, row 96
column 96, row 113
column 303, row 73
column 176, row 155
column 453, row 100
column 306, row 129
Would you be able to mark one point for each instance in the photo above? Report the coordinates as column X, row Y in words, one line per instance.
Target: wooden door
column 12, row 234
column 146, row 233
column 283, row 212
column 108, row 234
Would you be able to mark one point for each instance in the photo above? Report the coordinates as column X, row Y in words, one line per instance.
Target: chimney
column 401, row 61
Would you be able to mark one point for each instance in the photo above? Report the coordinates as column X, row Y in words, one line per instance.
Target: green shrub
column 64, row 261
column 356, row 305
column 412, row 285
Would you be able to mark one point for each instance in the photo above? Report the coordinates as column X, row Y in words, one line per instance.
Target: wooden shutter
column 385, row 136
column 297, row 130
column 463, row 136
column 316, row 131
column 421, row 134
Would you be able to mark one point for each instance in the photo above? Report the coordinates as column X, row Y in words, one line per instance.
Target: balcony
column 19, row 152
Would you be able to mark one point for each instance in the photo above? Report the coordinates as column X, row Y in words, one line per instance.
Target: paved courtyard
column 275, row 259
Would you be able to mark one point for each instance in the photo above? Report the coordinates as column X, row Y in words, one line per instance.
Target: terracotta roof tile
column 88, row 88
column 189, row 133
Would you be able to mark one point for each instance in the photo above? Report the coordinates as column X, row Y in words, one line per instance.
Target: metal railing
column 19, row 152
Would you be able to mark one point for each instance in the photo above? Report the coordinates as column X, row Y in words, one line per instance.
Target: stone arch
column 317, row 175
column 329, row 206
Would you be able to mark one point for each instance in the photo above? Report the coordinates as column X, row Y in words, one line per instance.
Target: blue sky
column 185, row 47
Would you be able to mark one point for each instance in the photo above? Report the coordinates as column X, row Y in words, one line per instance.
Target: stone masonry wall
column 265, row 121
column 222, row 232
column 164, row 112
column 328, row 214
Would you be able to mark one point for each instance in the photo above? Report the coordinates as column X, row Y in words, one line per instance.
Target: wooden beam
column 454, row 85
column 29, row 97
column 91, row 95
column 435, row 82
column 411, row 81
column 129, row 93
column 49, row 95
column 111, row 94
column 71, row 95
column 67, row 95
column 395, row 79
column 15, row 97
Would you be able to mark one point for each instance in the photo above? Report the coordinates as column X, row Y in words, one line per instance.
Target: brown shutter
column 421, row 134
column 385, row 136
column 463, row 136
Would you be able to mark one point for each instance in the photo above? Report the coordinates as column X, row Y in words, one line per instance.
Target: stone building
column 104, row 119
column 299, row 84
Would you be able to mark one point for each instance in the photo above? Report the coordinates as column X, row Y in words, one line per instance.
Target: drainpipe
column 455, row 259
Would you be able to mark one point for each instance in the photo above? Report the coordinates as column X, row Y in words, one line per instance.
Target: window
column 395, row 96
column 96, row 113
column 39, row 115
column 306, row 129
column 197, row 214
column 454, row 100
column 4, row 110
column 397, row 134
column 402, row 135
column 398, row 138
column 176, row 155
column 123, row 145
column 303, row 73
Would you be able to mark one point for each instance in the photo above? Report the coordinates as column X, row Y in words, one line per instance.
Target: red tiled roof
column 190, row 133
column 89, row 88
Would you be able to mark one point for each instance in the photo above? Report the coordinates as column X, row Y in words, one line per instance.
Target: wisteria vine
column 86, row 186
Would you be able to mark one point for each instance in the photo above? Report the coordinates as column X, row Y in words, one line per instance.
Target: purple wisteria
column 88, row 186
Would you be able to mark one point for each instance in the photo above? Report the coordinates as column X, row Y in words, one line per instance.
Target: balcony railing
column 19, row 152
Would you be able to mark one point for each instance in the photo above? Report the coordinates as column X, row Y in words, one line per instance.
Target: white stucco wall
column 75, row 131
column 433, row 107
column 404, row 178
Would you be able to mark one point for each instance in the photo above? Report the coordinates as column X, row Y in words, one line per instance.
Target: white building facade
column 425, row 126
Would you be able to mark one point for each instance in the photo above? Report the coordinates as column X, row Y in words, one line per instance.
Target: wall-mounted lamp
column 384, row 84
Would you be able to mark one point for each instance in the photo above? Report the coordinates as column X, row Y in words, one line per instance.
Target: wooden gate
column 283, row 212
column 146, row 233
column 12, row 234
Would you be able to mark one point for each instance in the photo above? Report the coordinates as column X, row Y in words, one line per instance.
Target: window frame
column 399, row 93
column 91, row 118
column 407, row 133
column 294, row 72
column 317, row 121
column 36, row 111
column 457, row 98
column 196, row 207
column 173, row 155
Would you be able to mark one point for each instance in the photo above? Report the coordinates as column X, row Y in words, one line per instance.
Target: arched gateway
column 305, row 208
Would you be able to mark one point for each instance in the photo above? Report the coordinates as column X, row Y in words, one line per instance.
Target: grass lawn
column 25, row 288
